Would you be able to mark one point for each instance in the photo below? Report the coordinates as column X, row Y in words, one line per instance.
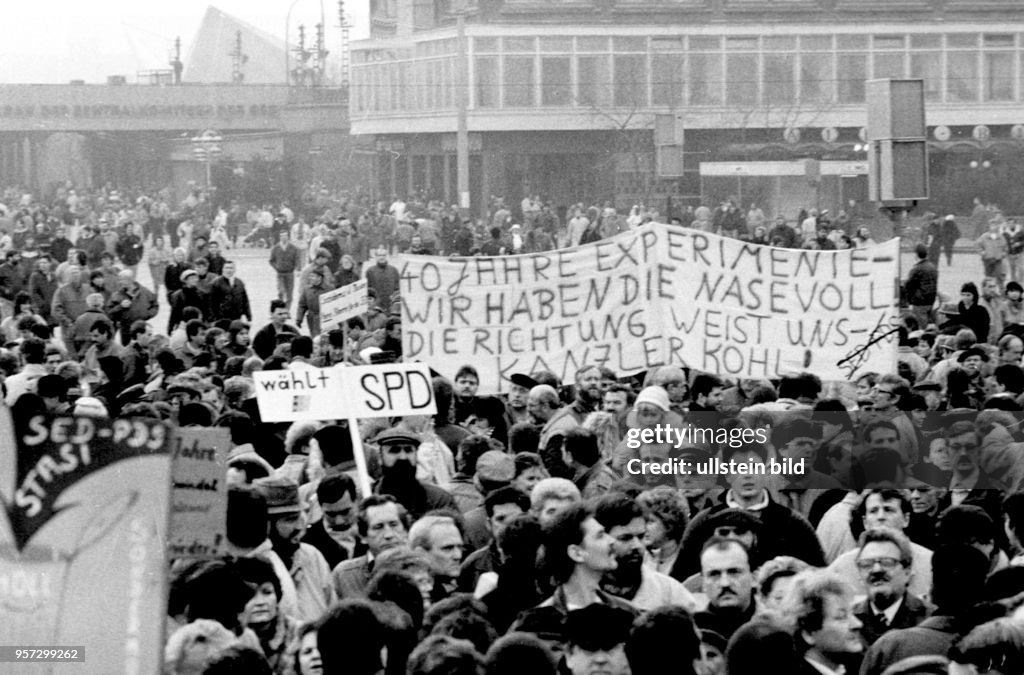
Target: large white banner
column 658, row 295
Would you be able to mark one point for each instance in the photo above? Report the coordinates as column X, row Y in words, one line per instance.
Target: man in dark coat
column 228, row 297
column 265, row 340
column 921, row 288
column 787, row 532
column 188, row 295
column 884, row 565
column 958, row 578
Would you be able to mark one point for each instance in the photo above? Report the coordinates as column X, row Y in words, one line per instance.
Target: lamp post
column 204, row 147
column 462, row 121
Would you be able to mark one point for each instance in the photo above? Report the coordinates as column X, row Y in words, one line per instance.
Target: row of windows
column 635, row 43
column 702, row 43
column 694, row 79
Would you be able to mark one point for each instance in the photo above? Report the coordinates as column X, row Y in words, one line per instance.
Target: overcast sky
column 55, row 41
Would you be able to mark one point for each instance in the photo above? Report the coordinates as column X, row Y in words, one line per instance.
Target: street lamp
column 204, row 147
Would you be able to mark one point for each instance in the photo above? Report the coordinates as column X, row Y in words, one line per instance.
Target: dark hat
column 926, row 474
column 713, row 638
column 738, row 518
column 949, row 309
column 522, row 380
column 973, row 351
column 927, row 385
column 1014, row 286
column 396, row 436
column 598, row 627
column 282, row 494
column 547, row 623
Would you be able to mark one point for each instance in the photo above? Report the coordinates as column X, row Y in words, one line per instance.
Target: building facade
column 564, row 98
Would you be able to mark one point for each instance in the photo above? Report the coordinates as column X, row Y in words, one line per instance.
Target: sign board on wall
column 654, row 296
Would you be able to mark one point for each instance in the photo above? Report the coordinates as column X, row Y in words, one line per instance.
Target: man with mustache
column 890, row 509
column 729, row 584
column 398, row 449
column 647, row 589
column 884, row 563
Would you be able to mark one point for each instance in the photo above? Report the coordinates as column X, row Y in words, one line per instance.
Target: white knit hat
column 656, row 396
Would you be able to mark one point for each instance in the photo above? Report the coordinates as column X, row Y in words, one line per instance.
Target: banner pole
column 357, row 452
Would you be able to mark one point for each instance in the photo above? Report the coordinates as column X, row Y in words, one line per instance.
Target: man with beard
column 518, row 394
column 884, row 562
column 827, row 632
column 383, row 524
column 631, row 579
column 335, row 534
column 588, row 399
column 440, row 539
column 618, row 400
column 305, row 564
column 398, row 468
column 729, row 584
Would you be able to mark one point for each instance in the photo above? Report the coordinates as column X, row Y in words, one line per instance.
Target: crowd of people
column 514, row 533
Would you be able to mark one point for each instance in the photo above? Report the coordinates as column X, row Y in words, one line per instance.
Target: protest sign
column 343, row 303
column 658, row 295
column 300, row 394
column 199, row 497
column 389, row 390
column 82, row 528
column 383, row 390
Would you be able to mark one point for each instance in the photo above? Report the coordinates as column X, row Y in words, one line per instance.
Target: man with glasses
column 889, row 509
column 968, row 484
column 884, row 563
